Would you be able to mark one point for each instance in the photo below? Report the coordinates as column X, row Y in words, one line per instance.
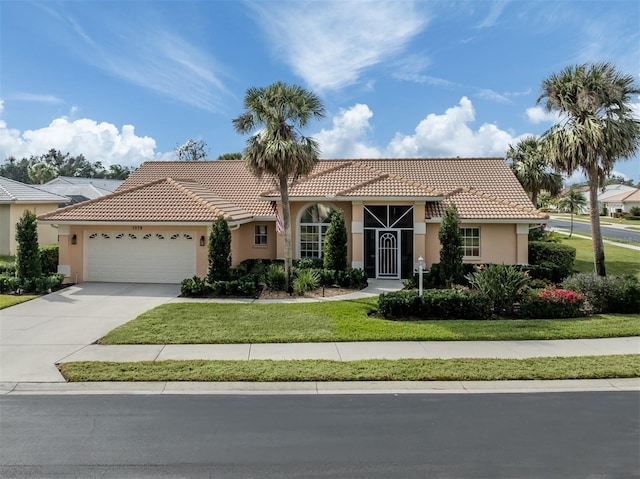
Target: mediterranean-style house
column 15, row 198
column 155, row 226
column 622, row 202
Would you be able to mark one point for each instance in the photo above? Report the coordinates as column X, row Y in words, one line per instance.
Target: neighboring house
column 622, row 202
column 15, row 198
column 155, row 227
column 80, row 189
column 603, row 193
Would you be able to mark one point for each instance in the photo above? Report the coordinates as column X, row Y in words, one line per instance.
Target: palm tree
column 597, row 128
column 40, row 173
column 532, row 168
column 278, row 149
column 573, row 202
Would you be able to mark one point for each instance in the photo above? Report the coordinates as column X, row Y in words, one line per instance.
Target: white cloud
column 344, row 140
column 449, row 135
column 37, row 98
column 446, row 135
column 102, row 142
column 491, row 95
column 537, row 114
column 494, row 13
column 331, row 44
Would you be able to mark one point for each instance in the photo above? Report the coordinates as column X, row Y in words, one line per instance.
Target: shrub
column 8, row 267
column 275, row 278
column 563, row 256
column 308, row 263
column 49, row 258
column 607, row 294
column 306, row 280
column 634, row 211
column 501, row 283
column 56, row 280
column 236, row 287
column 546, row 271
column 540, row 233
column 450, row 247
column 434, row 304
column 633, row 218
column 335, row 240
column 552, row 303
column 219, row 251
column 193, row 287
column 28, row 256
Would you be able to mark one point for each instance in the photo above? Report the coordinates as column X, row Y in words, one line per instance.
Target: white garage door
column 140, row 257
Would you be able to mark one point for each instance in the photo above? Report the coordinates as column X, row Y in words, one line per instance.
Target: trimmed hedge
column 545, row 254
column 434, row 304
column 552, row 303
column 49, row 258
column 197, row 288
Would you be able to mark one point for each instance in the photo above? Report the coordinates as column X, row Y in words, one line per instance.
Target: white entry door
column 139, row 257
column 388, row 254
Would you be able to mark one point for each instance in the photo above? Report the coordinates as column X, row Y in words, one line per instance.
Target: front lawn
column 7, row 300
column 618, row 260
column 587, row 367
column 212, row 323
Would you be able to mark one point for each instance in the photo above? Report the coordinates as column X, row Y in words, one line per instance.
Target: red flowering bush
column 553, row 303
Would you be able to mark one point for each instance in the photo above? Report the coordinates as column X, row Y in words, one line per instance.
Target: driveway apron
column 39, row 333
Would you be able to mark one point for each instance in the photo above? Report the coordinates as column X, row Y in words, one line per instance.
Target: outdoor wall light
column 202, row 240
column 74, row 239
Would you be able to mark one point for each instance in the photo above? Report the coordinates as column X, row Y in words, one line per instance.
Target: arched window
column 314, row 222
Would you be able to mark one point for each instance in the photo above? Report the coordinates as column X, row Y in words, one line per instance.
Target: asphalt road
column 585, row 228
column 563, row 435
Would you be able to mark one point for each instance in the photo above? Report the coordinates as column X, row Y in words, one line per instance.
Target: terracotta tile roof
column 215, row 186
column 475, row 205
column 161, row 200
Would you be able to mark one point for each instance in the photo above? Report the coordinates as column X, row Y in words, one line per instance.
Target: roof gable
column 15, row 192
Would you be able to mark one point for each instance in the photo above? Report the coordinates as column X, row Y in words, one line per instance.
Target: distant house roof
column 76, row 192
column 483, row 188
column 625, row 197
column 15, row 192
column 100, row 183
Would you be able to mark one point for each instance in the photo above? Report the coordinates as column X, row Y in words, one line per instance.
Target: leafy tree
column 335, row 243
column 230, row 156
column 597, row 128
column 192, row 150
column 17, row 170
column 42, row 172
column 617, row 180
column 219, row 251
column 278, row 149
column 28, row 255
column 451, row 253
column 573, row 202
column 119, row 172
column 533, row 169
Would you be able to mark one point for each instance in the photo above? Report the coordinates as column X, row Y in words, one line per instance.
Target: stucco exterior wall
column 10, row 214
column 243, row 242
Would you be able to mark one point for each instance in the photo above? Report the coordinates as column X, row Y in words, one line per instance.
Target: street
column 564, row 435
column 585, row 228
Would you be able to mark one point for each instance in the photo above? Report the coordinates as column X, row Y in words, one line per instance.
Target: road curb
column 318, row 388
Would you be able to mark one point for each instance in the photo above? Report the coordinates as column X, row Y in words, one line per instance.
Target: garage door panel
column 151, row 257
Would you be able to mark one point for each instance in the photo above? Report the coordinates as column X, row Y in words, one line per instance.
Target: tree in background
column 119, row 172
column 533, row 169
column 219, row 251
column 451, row 252
column 17, row 170
column 573, row 202
column 278, row 149
column 192, row 150
column 230, row 156
column 598, row 127
column 42, row 172
column 28, row 255
column 335, row 243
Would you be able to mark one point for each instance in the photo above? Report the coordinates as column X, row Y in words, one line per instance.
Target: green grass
column 618, row 260
column 367, row 370
column 211, row 323
column 604, row 220
column 7, row 300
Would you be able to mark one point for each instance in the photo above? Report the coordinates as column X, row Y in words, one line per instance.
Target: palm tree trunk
column 286, row 217
column 594, row 214
column 534, row 198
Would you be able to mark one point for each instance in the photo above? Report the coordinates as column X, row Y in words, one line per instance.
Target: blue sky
column 126, row 81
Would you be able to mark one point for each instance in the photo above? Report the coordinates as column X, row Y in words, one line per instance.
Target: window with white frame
column 260, row 235
column 470, row 242
column 314, row 223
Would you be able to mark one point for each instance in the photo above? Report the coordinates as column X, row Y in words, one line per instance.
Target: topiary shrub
column 335, row 241
column 563, row 256
column 49, row 258
column 219, row 251
column 434, row 304
column 552, row 303
column 28, row 265
column 451, row 252
column 607, row 294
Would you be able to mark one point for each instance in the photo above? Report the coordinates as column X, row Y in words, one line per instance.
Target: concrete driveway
column 37, row 334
